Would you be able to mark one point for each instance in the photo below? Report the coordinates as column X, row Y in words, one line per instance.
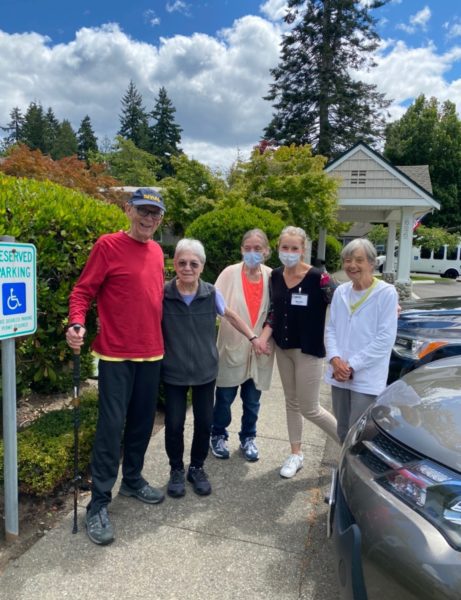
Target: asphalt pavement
column 256, row 536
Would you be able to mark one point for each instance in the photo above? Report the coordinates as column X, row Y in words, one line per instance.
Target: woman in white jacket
column 359, row 336
column 245, row 287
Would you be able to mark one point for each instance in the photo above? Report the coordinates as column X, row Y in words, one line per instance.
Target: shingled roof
column 419, row 174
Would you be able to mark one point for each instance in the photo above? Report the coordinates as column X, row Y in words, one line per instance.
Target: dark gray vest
column 189, row 332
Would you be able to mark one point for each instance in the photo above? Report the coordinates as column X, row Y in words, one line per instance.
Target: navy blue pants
column 222, row 415
column 127, row 401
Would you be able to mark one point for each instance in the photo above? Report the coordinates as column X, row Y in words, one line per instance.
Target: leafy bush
column 46, row 448
column 221, row 231
column 63, row 225
column 333, row 249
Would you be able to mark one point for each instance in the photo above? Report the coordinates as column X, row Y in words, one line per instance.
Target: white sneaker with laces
column 292, row 465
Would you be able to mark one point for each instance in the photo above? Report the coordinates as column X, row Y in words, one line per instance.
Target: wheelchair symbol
column 14, row 298
column 12, row 301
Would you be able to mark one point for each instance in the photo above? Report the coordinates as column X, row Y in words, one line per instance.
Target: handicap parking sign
column 14, row 298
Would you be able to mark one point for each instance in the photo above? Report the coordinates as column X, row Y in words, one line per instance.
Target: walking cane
column 76, row 405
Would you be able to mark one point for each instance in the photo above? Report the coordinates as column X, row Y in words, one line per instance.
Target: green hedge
column 46, row 448
column 63, row 224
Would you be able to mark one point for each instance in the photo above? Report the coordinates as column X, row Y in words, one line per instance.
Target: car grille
column 381, row 453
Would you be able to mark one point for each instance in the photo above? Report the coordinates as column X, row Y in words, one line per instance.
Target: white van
column 443, row 261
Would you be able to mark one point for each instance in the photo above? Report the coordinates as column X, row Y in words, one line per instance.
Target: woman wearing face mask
column 245, row 288
column 296, row 322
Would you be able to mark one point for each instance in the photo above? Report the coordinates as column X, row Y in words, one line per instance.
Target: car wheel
column 451, row 274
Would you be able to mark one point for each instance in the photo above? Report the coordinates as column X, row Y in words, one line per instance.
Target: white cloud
column 422, row 69
column 274, row 10
column 421, row 18
column 151, row 18
column 417, row 21
column 216, row 84
column 178, row 6
column 453, row 29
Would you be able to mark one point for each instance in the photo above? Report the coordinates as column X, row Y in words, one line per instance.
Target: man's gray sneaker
column 249, row 449
column 99, row 527
column 147, row 493
column 219, row 447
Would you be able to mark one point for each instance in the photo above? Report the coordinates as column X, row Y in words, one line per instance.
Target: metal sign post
column 18, row 316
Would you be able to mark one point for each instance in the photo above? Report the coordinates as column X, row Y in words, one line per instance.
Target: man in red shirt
column 124, row 275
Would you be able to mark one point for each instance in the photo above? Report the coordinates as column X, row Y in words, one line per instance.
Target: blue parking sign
column 14, row 298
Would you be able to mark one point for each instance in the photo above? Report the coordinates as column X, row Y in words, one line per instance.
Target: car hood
column 423, row 411
column 435, row 318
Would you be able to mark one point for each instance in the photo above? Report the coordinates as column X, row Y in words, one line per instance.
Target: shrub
column 333, row 249
column 63, row 225
column 221, row 231
column 46, row 448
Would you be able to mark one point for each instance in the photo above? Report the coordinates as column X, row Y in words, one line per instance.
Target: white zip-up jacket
column 363, row 338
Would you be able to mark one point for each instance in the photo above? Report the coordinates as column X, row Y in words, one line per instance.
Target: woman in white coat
column 359, row 336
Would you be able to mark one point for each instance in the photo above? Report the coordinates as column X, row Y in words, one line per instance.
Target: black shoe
column 176, row 486
column 199, row 480
column 99, row 527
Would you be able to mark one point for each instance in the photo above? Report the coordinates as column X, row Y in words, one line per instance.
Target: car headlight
column 416, row 349
column 432, row 491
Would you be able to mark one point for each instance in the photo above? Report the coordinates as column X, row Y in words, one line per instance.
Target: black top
column 297, row 314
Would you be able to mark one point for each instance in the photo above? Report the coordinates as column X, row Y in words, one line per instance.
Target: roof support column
column 405, row 245
column 321, row 245
column 390, row 247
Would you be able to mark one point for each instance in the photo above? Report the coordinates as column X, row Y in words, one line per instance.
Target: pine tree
column 316, row 100
column 66, row 143
column 50, row 131
column 14, row 127
column 87, row 141
column 134, row 119
column 33, row 130
column 165, row 134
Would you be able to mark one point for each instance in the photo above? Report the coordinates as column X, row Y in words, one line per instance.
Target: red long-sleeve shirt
column 126, row 279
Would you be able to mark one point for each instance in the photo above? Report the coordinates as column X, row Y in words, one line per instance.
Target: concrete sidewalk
column 257, row 536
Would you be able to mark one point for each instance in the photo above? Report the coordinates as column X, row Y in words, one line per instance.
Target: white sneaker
column 292, row 465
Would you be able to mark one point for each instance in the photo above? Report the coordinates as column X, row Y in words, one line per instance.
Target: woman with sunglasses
column 190, row 308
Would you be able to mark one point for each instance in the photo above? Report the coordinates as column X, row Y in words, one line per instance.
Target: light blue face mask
column 253, row 259
column 289, row 259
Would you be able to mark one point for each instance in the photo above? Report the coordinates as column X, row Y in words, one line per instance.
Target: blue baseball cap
column 147, row 196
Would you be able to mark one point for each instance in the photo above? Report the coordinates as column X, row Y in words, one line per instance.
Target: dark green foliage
column 315, row 97
column 333, row 249
column 133, row 120
column 14, row 127
column 131, row 165
column 164, row 134
column 65, row 143
column 221, row 232
column 63, row 225
column 50, row 132
column 87, row 141
column 429, row 133
column 33, row 129
column 46, row 448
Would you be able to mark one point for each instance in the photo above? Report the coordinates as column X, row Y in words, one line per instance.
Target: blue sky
column 213, row 57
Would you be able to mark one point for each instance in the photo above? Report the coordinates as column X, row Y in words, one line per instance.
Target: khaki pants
column 301, row 375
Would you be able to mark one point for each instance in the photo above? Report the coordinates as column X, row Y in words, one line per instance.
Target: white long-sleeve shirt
column 363, row 338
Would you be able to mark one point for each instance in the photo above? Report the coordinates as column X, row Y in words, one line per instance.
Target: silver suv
column 395, row 503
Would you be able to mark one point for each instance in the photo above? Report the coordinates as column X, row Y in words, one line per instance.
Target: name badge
column 299, row 299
